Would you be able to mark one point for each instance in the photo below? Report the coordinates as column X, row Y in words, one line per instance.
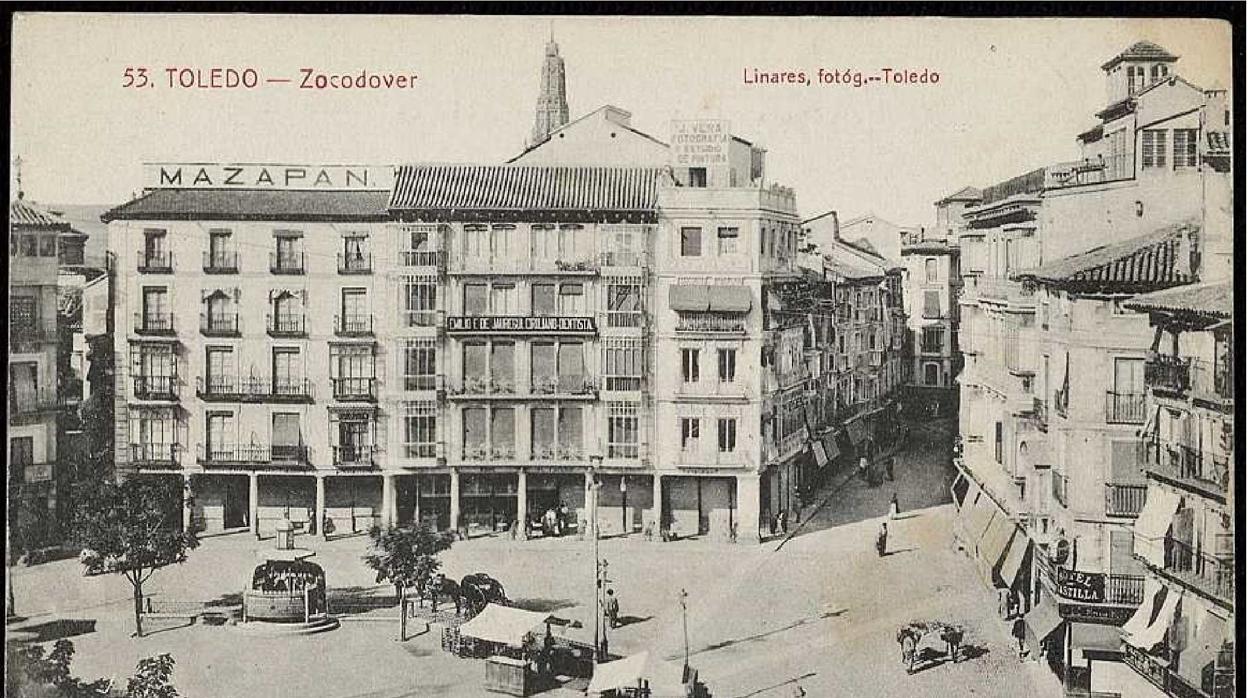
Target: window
column 728, row 240
column 624, row 304
column 544, row 243
column 689, row 369
column 289, row 253
column 503, row 299
column 931, row 304
column 219, row 366
column 219, row 256
column 503, row 432
column 30, row 245
column 476, row 366
column 354, row 248
column 220, row 435
column 287, row 371
column 155, row 252
column 23, row 312
column 420, row 428
column 930, row 270
column 476, row 436
column 476, row 299
column 500, row 241
column 690, row 428
column 155, row 309
column 476, row 242
column 420, row 365
column 220, row 316
column 697, row 176
column 354, row 439
column 1184, row 148
column 543, row 368
column 574, row 243
column 352, row 369
column 931, row 374
column 933, row 340
column 544, row 299
column 571, row 367
column 727, row 429
column 287, row 439
column 542, row 433
column 47, row 246
column 502, row 367
column 419, row 299
column 22, row 451
column 24, row 382
column 690, row 242
column 622, row 430
column 1154, row 148
column 355, row 317
column 999, row 442
column 571, row 299
column 727, row 365
column 622, row 364
column 421, row 248
column 571, row 437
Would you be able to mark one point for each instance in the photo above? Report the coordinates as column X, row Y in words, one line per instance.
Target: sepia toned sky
column 1012, row 94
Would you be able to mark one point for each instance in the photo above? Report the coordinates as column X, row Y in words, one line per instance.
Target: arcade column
column 318, row 516
column 454, row 500
column 188, row 499
column 657, row 506
column 747, row 508
column 388, row 503
column 522, row 504
column 253, row 503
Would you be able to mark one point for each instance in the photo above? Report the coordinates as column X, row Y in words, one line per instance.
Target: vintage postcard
column 621, row 356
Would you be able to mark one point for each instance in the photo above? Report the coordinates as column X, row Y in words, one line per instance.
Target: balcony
column 1188, row 467
column 218, row 324
column 423, row 382
column 1213, row 383
column 1068, row 585
column 27, row 338
column 290, row 263
column 714, row 323
column 1180, row 377
column 155, row 455
column 623, row 259
column 254, row 454
column 163, row 388
column 355, row 263
column 557, row 452
column 353, row 325
column 153, row 323
column 1168, row 374
column 483, row 452
column 151, row 262
column 625, row 318
column 220, row 262
column 1124, row 499
column 564, row 387
column 1158, row 671
column 355, row 456
column 1213, row 575
column 355, row 389
column 484, row 387
column 286, row 325
column 32, row 402
column 875, row 358
column 423, row 258
column 232, row 389
column 1124, row 408
column 713, row 389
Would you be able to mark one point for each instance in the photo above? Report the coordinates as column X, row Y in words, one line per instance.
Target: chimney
column 836, row 227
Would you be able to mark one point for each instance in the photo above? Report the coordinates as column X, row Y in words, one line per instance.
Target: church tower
column 552, row 102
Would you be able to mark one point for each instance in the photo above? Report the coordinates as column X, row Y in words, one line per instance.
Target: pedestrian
column 611, row 607
column 784, row 522
column 893, row 508
column 563, row 517
column 881, row 540
column 888, row 468
column 1019, row 631
column 515, row 528
column 862, row 467
column 549, row 523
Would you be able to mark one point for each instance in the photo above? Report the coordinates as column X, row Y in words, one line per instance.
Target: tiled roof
column 1149, row 262
column 253, row 204
column 24, row 213
column 963, row 194
column 1141, row 50
column 525, row 188
column 1210, row 299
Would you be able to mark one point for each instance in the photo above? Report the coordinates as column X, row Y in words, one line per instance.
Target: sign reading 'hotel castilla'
column 499, row 323
column 1080, row 586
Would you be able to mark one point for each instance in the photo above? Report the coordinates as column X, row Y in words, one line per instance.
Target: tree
column 29, row 673
column 134, row 527
column 405, row 556
column 152, row 679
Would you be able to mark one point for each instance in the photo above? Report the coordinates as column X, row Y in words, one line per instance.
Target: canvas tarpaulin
column 504, row 625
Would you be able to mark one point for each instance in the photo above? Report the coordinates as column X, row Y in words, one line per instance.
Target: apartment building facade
column 932, row 285
column 33, row 436
column 1052, row 394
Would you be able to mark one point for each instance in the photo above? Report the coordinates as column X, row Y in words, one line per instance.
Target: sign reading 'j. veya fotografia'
column 700, row 142
column 173, row 175
column 537, row 324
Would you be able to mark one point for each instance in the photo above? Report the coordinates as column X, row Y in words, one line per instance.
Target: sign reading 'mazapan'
column 167, row 175
column 700, row 142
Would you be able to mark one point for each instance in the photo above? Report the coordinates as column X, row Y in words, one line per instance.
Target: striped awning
column 689, row 298
column 524, row 188
column 730, row 299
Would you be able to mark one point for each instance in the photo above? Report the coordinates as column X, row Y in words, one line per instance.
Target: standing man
column 563, row 518
column 612, row 609
column 888, row 468
column 881, row 540
column 862, row 466
column 1019, row 631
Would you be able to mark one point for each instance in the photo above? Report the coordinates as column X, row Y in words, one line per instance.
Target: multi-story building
column 1181, row 641
column 254, row 341
column 34, row 515
column 1052, row 394
column 932, row 285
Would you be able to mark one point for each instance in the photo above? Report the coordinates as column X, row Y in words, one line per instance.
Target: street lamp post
column 592, row 492
column 684, row 621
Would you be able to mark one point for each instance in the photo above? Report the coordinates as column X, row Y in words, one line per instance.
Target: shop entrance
column 488, row 501
column 235, row 504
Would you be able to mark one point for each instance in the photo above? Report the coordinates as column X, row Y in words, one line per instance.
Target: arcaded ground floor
column 480, row 501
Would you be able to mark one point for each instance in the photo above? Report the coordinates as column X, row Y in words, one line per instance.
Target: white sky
column 1012, row 94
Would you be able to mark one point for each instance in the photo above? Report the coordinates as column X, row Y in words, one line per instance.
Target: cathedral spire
column 552, row 100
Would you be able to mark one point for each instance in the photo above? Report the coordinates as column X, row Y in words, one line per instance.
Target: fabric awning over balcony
column 1041, row 621
column 689, row 298
column 830, row 448
column 992, row 547
column 1210, row 635
column 980, row 518
column 1150, row 527
column 1012, row 565
column 821, row 458
column 699, row 298
column 1147, row 638
column 1096, row 637
column 1154, row 593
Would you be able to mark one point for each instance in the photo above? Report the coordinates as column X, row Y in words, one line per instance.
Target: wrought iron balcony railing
column 1124, row 408
column 285, row 325
column 220, row 262
column 218, row 324
column 1214, row 575
column 353, row 325
column 286, row 263
column 355, row 263
column 155, row 455
column 155, row 262
column 355, row 456
column 156, row 387
column 355, row 389
column 1124, row 499
column 153, row 323
column 1187, row 465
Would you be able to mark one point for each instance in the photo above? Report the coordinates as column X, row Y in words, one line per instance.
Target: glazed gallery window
column 691, row 242
column 689, row 368
column 419, row 365
column 727, row 360
column 623, row 430
column 1153, row 148
column 690, row 432
column 624, row 304
column 420, row 429
column 622, row 365
column 727, row 433
column 727, row 237
column 1184, row 148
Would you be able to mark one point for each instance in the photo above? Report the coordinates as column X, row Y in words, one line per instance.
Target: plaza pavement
column 821, row 611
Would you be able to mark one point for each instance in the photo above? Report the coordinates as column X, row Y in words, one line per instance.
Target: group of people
column 555, row 520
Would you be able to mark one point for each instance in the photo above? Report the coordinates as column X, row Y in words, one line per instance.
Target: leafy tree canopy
column 405, row 556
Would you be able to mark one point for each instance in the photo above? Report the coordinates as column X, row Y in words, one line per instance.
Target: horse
column 438, row 588
column 480, row 589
